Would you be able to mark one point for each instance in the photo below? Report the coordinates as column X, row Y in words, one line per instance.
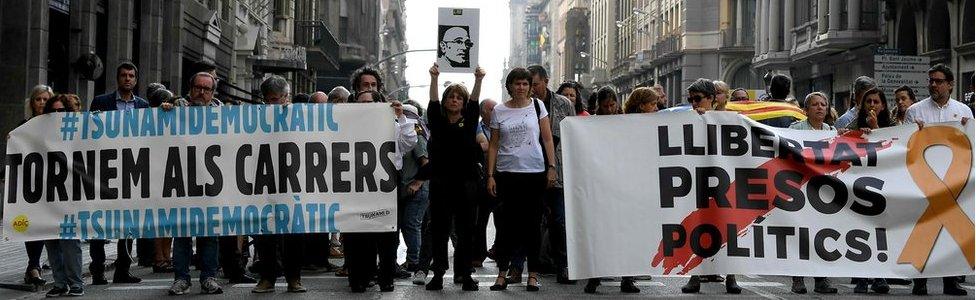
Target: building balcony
column 647, row 61
column 732, row 43
column 320, row 44
column 811, row 45
column 622, row 70
column 772, row 60
column 281, row 58
column 668, row 48
column 352, row 54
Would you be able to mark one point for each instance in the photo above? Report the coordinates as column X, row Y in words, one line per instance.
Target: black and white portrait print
column 457, row 39
column 454, row 46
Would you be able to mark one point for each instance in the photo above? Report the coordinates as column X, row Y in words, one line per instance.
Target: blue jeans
column 65, row 259
column 412, row 212
column 183, row 251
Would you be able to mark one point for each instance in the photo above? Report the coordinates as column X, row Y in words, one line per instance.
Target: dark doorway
column 907, row 36
column 57, row 53
column 938, row 22
column 101, row 46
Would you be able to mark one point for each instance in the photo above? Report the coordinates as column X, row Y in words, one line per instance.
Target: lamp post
column 390, row 94
column 398, row 54
column 585, row 55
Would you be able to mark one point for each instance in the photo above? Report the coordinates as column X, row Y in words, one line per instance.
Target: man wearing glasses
column 201, row 94
column 202, row 86
column 939, row 108
column 454, row 48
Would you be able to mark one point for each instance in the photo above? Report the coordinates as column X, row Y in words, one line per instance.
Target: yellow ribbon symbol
column 942, row 211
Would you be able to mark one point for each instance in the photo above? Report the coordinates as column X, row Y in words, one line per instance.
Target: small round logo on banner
column 20, row 223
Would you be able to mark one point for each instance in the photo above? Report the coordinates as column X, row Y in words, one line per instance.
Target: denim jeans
column 556, row 205
column 65, row 259
column 183, row 250
column 412, row 211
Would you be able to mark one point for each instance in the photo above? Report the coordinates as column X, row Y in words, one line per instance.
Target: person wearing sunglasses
column 740, row 94
column 64, row 255
column 701, row 95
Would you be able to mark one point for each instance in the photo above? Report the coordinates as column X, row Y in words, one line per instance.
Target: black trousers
column 486, row 205
column 122, row 262
column 426, row 239
column 291, row 246
column 453, row 202
column 230, row 257
column 146, row 251
column 34, row 250
column 361, row 250
column 520, row 195
column 317, row 249
column 556, row 224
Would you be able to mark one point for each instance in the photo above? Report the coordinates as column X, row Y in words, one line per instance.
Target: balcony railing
column 314, row 33
column 323, row 48
column 352, row 53
column 670, row 44
column 730, row 38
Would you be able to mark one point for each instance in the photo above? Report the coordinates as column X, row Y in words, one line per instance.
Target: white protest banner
column 457, row 39
column 202, row 171
column 678, row 193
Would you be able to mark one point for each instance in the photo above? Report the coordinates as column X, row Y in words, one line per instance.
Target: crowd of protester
column 461, row 159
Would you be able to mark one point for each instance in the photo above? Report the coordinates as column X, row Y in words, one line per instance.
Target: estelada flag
column 763, row 110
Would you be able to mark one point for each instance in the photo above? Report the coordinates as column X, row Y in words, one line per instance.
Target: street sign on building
column 894, row 71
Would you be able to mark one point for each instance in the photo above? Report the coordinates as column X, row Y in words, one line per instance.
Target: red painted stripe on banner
column 743, row 218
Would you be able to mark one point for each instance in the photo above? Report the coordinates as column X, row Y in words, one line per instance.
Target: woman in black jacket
column 454, row 154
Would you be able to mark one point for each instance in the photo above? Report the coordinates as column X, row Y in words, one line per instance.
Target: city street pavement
column 327, row 285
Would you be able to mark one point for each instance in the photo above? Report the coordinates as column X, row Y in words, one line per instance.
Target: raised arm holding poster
column 202, row 171
column 457, row 39
column 678, row 193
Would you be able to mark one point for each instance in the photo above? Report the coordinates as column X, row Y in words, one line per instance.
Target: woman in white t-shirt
column 521, row 164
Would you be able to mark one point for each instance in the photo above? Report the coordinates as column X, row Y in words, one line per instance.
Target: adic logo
column 20, row 223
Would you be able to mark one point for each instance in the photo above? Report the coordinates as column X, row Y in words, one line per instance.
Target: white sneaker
column 420, row 278
column 179, row 287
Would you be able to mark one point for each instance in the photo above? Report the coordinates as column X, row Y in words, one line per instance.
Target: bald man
column 319, row 97
column 455, row 48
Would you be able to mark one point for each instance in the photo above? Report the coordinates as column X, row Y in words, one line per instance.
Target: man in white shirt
column 939, row 108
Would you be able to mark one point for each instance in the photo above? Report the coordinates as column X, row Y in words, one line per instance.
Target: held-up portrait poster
column 457, row 39
column 683, row 194
column 202, row 171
